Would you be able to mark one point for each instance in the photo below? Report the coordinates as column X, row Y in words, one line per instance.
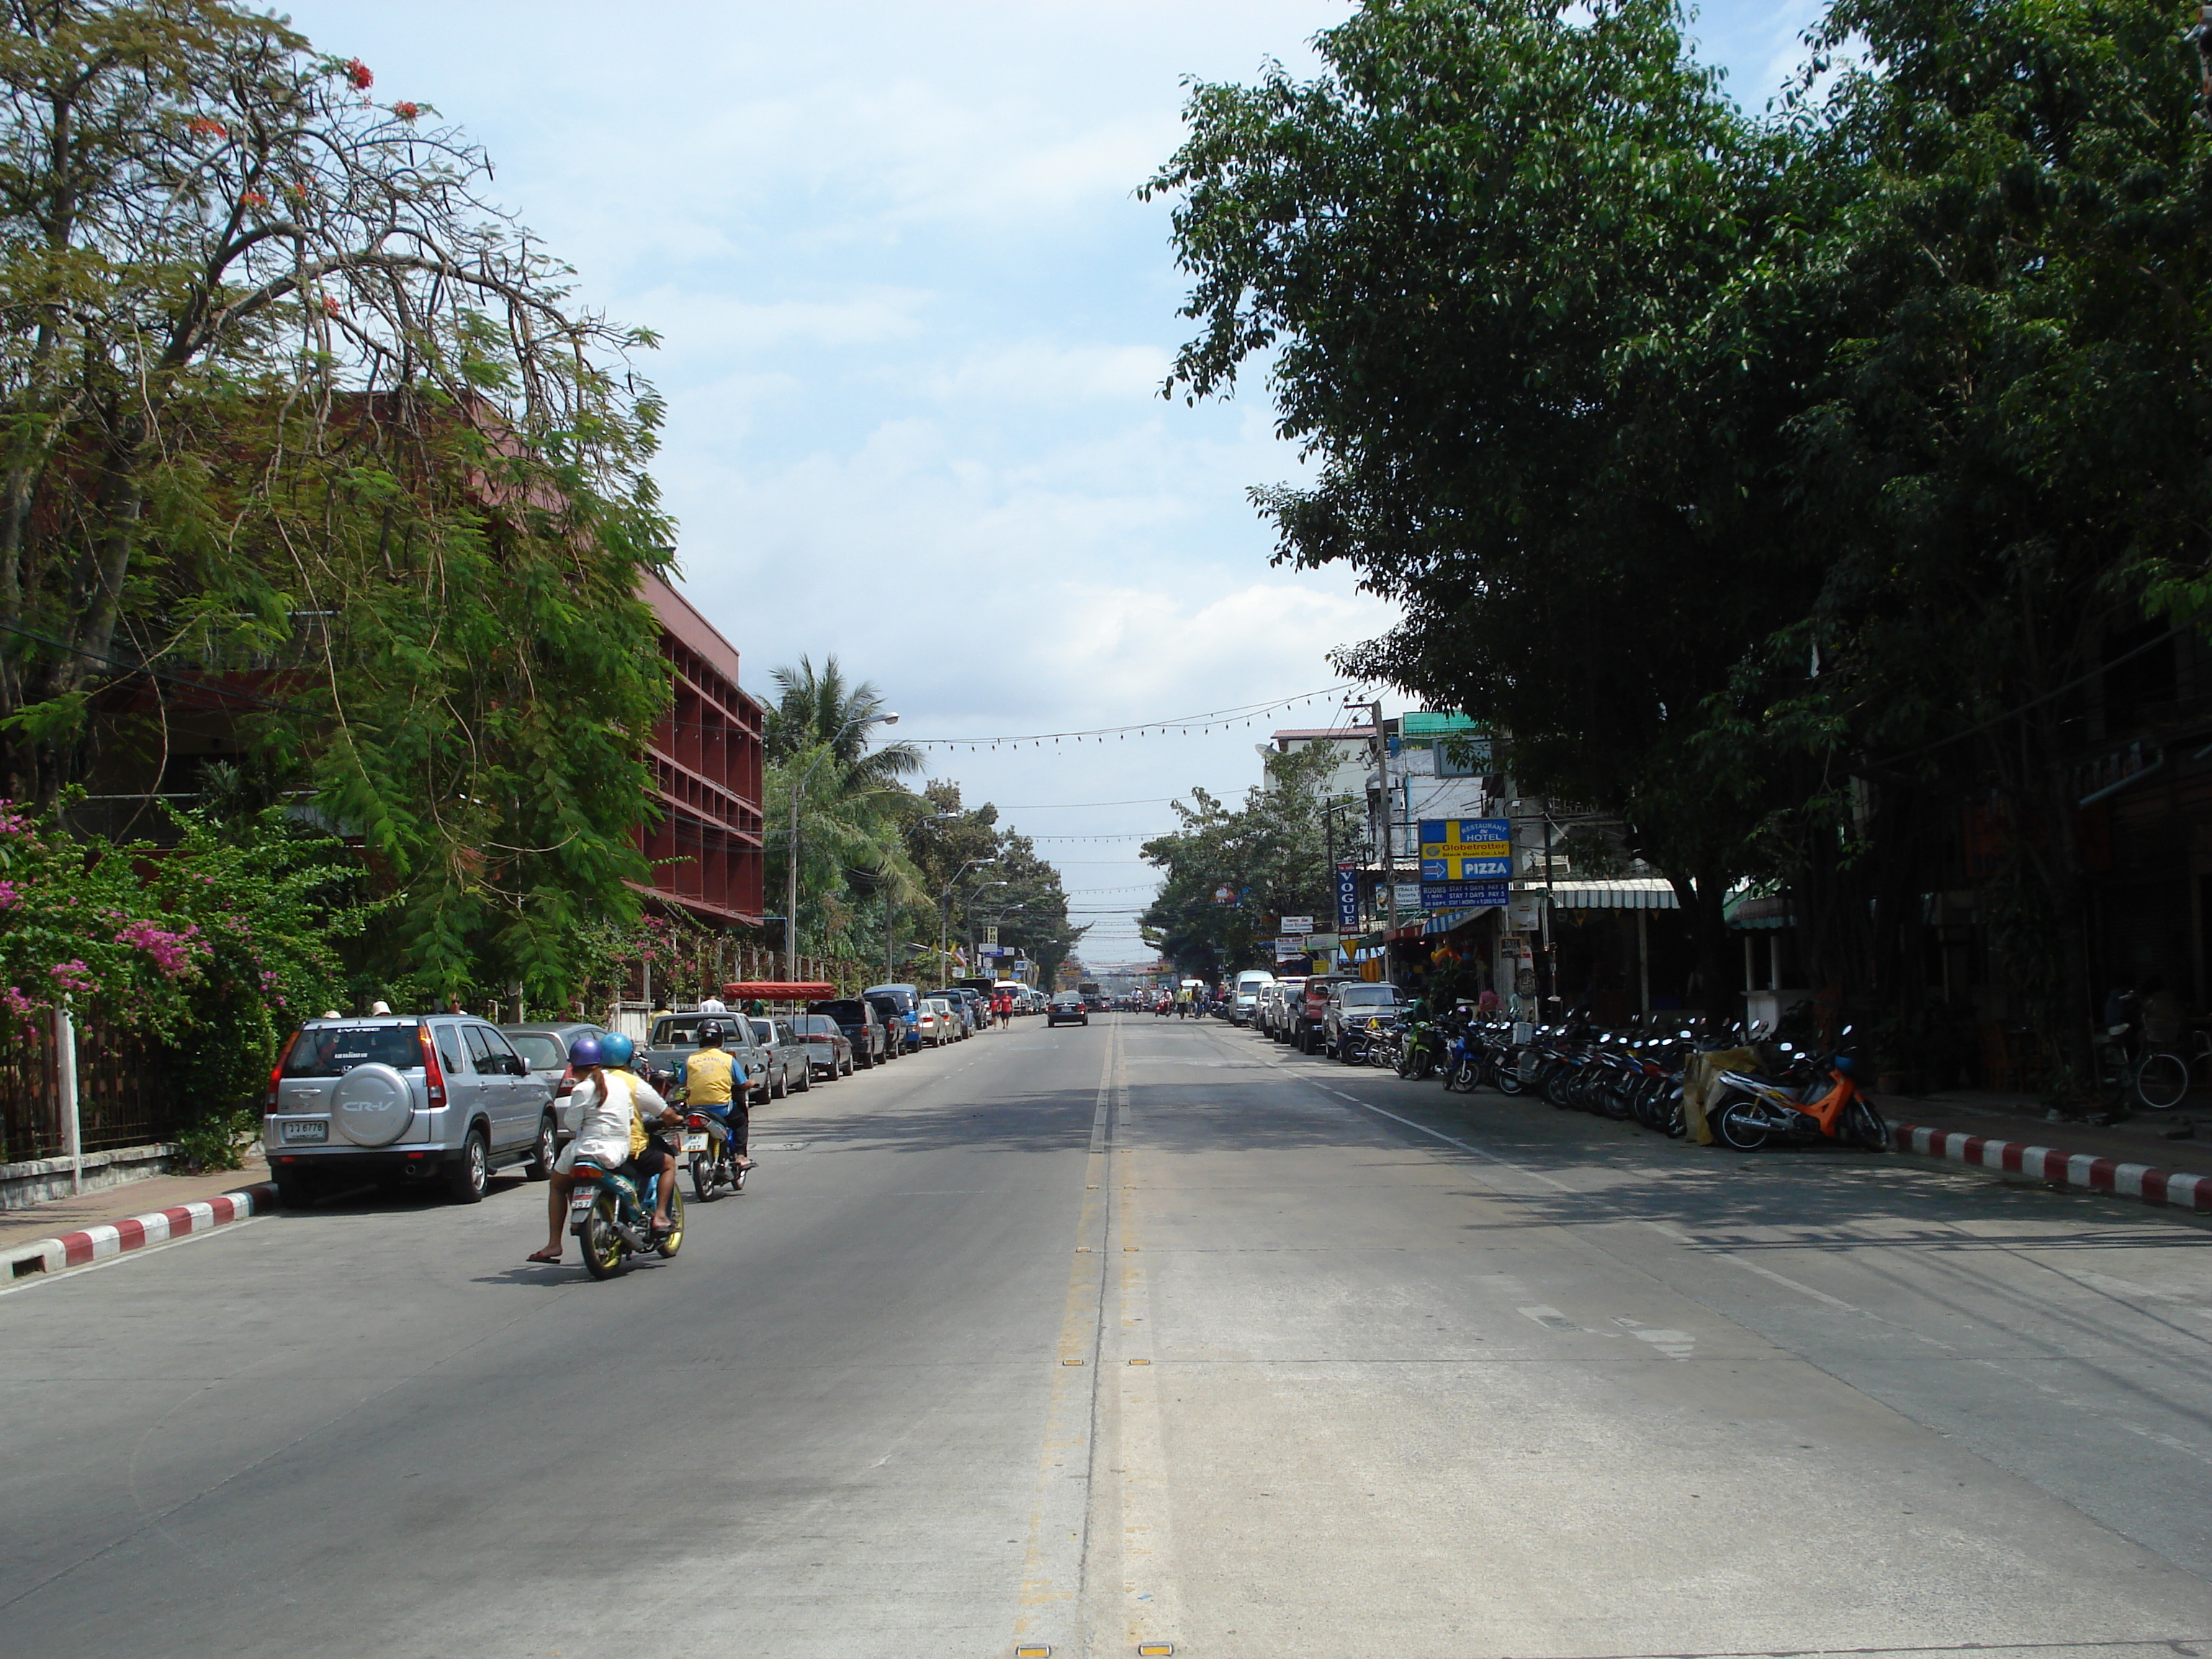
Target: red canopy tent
column 778, row 990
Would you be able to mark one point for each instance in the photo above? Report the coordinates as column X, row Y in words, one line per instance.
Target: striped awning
column 1629, row 893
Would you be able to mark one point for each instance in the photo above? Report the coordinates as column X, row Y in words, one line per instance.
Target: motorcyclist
column 711, row 1085
column 605, row 1110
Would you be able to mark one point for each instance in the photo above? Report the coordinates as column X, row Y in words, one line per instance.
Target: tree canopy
column 300, row 427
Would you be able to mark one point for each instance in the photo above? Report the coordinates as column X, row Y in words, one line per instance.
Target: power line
column 1181, row 725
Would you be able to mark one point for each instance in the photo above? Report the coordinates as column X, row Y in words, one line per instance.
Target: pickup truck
column 675, row 1036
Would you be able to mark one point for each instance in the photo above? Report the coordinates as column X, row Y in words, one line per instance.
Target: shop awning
column 1444, row 921
column 1629, row 893
column 1761, row 910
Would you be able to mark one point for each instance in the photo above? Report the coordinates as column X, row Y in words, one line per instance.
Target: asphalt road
column 1142, row 1333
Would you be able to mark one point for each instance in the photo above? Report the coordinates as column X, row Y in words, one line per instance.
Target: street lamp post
column 944, row 910
column 791, row 851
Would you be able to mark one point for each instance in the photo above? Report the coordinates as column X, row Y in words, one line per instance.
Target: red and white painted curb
column 115, row 1237
column 2096, row 1174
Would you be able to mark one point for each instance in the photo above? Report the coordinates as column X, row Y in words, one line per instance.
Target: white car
column 939, row 1024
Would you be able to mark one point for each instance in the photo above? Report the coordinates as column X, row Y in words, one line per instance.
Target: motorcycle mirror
column 1847, row 1030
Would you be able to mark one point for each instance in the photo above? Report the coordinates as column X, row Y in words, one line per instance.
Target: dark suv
column 863, row 1027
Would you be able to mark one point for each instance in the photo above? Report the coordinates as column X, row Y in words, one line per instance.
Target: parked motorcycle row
column 1788, row 1094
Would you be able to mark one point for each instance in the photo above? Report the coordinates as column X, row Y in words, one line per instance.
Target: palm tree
column 852, row 802
column 821, row 706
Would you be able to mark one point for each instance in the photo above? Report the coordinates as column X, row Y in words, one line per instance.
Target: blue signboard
column 1461, row 895
column 1465, row 849
column 1347, row 899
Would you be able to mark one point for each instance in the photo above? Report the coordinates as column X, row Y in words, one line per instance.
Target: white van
column 1247, row 994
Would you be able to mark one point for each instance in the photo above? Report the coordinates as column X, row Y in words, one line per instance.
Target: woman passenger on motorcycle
column 603, row 1113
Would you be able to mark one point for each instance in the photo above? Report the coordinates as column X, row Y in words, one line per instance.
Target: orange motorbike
column 1816, row 1100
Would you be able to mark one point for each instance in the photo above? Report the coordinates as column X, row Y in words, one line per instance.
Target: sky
column 913, row 327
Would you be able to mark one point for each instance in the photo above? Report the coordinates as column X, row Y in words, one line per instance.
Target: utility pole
column 1389, row 845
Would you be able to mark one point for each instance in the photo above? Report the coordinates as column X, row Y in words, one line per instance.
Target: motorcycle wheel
column 672, row 1240
column 1678, row 1120
column 1508, row 1080
column 1462, row 1078
column 1613, row 1102
column 603, row 1245
column 1554, row 1089
column 702, row 1177
column 1739, row 1125
column 1866, row 1127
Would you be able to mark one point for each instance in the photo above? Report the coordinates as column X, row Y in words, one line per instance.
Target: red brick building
column 707, row 758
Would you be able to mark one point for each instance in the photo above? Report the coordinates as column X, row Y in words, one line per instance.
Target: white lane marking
column 1676, row 1345
column 1550, row 1318
column 35, row 1281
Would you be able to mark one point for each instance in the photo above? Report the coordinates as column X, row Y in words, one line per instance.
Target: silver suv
column 412, row 1098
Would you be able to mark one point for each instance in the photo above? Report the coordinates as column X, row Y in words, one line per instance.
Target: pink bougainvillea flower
column 11, row 895
column 357, row 72
column 406, row 111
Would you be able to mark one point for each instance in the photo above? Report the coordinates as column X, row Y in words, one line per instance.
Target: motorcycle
column 1420, row 1050
column 612, row 1219
column 712, row 1147
column 1801, row 1107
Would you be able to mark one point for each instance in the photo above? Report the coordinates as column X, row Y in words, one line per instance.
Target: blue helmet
column 586, row 1053
column 616, row 1049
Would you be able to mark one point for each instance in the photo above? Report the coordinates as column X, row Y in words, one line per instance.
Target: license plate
column 581, row 1203
column 695, row 1143
column 292, row 1134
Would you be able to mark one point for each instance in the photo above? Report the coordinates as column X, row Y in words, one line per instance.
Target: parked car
column 863, row 1026
column 789, row 1065
column 405, row 1096
column 1277, row 1004
column 908, row 999
column 968, row 1004
column 939, row 1024
column 675, row 1036
column 829, row 1050
column 1067, row 1008
column 1356, row 998
column 1309, row 1017
column 545, row 1049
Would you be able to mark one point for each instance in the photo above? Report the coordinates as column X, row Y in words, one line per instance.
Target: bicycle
column 2163, row 1076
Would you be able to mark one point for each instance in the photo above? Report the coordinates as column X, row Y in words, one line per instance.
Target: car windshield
column 1368, row 996
column 852, row 1013
column 682, row 1031
column 335, row 1050
column 540, row 1052
column 815, row 1025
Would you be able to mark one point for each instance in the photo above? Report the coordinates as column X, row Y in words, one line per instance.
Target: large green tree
column 1490, row 257
column 296, row 427
column 2004, row 464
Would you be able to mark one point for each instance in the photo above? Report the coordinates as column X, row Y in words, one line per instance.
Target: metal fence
column 125, row 1094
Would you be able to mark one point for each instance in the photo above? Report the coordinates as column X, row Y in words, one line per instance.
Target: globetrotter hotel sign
column 1465, row 861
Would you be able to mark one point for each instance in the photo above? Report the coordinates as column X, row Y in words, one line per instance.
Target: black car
column 862, row 1025
column 1067, row 1009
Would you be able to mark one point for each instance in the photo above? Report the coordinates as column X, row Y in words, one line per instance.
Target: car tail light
column 277, row 1072
column 567, row 1083
column 433, row 1076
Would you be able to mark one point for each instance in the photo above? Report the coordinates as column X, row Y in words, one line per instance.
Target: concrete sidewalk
column 114, row 1204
